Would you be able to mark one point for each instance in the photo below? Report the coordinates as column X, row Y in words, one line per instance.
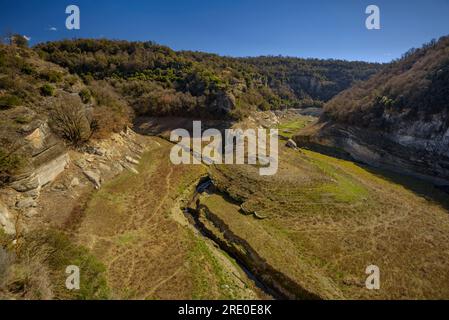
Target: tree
column 70, row 121
column 19, row 40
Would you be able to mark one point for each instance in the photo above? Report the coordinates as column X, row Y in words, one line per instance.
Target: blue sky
column 318, row 28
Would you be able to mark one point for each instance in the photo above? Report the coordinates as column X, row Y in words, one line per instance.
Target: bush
column 19, row 40
column 85, row 95
column 70, row 121
column 9, row 163
column 38, row 271
column 7, row 83
column 52, row 76
column 71, row 80
column 9, row 101
column 28, row 69
column 47, row 90
column 110, row 112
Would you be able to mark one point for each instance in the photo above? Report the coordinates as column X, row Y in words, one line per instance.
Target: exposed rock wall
column 411, row 148
column 6, row 222
column 280, row 284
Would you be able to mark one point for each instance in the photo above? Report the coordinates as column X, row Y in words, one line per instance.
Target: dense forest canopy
column 159, row 81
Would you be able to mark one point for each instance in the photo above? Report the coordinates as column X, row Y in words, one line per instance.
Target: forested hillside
column 310, row 82
column 399, row 118
column 414, row 88
column 156, row 80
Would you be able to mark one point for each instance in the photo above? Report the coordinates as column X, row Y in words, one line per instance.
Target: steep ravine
column 272, row 281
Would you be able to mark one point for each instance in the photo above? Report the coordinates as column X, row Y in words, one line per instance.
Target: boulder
column 291, row 144
column 51, row 170
column 93, row 177
column 31, row 213
column 117, row 167
column 42, row 175
column 35, row 193
column 26, row 203
column 94, row 151
column 104, row 167
column 36, row 139
column 75, row 182
column 132, row 160
column 26, row 184
column 6, row 220
column 129, row 167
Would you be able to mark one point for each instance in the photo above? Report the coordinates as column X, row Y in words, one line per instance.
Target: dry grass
column 328, row 219
column 148, row 255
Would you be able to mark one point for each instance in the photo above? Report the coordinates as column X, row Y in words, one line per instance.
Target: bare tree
column 70, row 120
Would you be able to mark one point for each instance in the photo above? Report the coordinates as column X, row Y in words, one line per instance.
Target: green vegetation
column 51, row 76
column 9, row 101
column 36, row 270
column 201, row 279
column 412, row 88
column 9, row 163
column 326, row 219
column 85, row 95
column 65, row 253
column 290, row 128
column 47, row 90
column 156, row 80
column 344, row 188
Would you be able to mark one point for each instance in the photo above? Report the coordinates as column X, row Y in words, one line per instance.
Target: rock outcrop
column 291, row 144
column 93, row 177
column 49, row 158
column 6, row 222
column 404, row 151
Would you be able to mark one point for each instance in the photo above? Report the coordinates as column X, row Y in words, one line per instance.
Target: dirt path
column 150, row 252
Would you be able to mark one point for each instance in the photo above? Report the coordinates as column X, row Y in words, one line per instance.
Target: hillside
column 156, row 80
column 36, row 94
column 103, row 85
column 397, row 119
column 80, row 187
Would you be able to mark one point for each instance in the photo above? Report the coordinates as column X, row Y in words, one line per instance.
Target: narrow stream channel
column 190, row 213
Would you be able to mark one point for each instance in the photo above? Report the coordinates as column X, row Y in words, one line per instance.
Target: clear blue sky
column 318, row 28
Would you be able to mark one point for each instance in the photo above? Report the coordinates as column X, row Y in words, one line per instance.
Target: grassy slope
column 148, row 255
column 328, row 219
column 289, row 128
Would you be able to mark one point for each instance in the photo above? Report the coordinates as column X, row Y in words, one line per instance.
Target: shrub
column 85, row 95
column 6, row 83
column 70, row 121
column 47, row 90
column 110, row 113
column 28, row 69
column 9, row 101
column 23, row 119
column 19, row 40
column 52, row 76
column 72, row 80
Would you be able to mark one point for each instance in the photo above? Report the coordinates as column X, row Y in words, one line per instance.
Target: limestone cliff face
column 413, row 148
column 48, row 159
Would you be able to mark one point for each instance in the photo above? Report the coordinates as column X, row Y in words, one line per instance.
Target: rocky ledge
column 405, row 151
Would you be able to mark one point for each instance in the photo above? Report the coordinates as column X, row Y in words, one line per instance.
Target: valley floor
column 325, row 221
column 310, row 231
column 135, row 226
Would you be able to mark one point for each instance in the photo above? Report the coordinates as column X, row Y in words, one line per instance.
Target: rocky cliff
column 398, row 119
